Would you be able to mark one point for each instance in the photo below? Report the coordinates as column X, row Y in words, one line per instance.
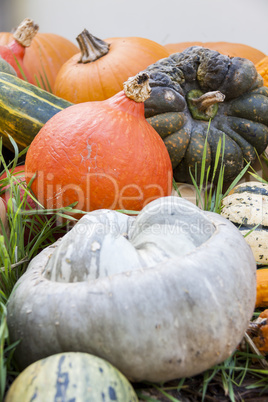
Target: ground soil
column 192, row 391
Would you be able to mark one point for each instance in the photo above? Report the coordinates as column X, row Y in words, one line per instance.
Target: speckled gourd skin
column 242, row 116
column 169, row 313
column 247, row 207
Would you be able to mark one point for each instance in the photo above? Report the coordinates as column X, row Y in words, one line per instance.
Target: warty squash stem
column 137, row 88
column 208, row 99
column 25, row 32
column 92, row 48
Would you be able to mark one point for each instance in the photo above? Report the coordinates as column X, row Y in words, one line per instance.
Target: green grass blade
column 175, row 186
column 146, row 397
column 49, row 89
column 237, row 179
column 20, row 68
column 37, row 82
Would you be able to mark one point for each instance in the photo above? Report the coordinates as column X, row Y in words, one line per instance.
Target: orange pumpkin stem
column 25, row 32
column 208, row 99
column 92, row 48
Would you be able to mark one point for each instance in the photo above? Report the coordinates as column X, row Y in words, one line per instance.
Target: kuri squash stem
column 92, row 48
column 25, row 32
column 137, row 88
column 208, row 99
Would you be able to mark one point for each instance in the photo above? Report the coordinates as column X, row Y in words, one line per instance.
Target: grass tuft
column 30, row 231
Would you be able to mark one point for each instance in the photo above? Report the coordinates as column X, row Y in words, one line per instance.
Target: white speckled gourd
column 247, row 207
column 163, row 295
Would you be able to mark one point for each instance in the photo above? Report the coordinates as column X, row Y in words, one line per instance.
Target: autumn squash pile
column 108, row 127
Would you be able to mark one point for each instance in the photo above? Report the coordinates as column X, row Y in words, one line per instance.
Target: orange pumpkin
column 262, row 68
column 227, row 48
column 100, row 154
column 262, row 287
column 259, row 332
column 45, row 56
column 99, row 70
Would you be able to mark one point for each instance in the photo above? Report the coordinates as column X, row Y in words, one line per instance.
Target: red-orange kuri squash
column 101, row 154
column 14, row 50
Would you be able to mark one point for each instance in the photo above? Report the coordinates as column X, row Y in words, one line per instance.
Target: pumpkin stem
column 137, row 88
column 208, row 99
column 25, row 32
column 204, row 106
column 92, row 48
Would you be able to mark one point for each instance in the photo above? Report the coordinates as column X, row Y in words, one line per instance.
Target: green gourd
column 71, row 376
column 24, row 109
column 5, row 67
column 200, row 96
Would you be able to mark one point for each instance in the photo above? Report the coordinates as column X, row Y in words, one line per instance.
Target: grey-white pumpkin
column 164, row 295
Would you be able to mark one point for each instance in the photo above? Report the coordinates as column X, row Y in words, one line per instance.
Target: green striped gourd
column 24, row 109
column 5, row 67
column 71, row 376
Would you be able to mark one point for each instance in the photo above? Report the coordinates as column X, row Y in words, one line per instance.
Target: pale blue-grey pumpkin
column 163, row 295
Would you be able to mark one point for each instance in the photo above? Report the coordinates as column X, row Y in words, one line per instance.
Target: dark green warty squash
column 200, row 94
